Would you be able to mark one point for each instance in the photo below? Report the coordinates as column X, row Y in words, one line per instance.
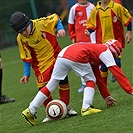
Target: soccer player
column 82, row 58
column 39, row 49
column 3, row 98
column 108, row 19
column 78, row 15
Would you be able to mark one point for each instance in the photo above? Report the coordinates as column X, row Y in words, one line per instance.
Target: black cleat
column 4, row 99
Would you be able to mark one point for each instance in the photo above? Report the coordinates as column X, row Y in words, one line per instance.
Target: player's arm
column 126, row 19
column 71, row 24
column 129, row 32
column 91, row 23
column 26, row 57
column 60, row 28
column 26, row 75
column 88, row 31
column 53, row 24
column 110, row 101
column 121, row 79
column 71, row 32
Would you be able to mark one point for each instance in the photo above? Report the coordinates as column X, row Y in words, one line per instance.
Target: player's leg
column 118, row 62
column 60, row 71
column 104, row 72
column 42, row 80
column 3, row 98
column 88, row 95
column 85, row 71
column 81, row 89
column 42, row 95
column 64, row 91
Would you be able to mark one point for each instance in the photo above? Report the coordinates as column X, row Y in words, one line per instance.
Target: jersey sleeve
column 124, row 15
column 71, row 31
column 59, row 25
column 50, row 22
column 27, row 69
column 71, row 24
column 91, row 22
column 121, row 79
column 24, row 50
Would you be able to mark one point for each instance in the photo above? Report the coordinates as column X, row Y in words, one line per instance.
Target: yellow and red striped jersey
column 40, row 48
column 108, row 22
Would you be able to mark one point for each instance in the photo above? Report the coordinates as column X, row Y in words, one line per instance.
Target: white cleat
column 71, row 111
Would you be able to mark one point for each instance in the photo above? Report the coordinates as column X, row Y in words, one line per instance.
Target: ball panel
column 56, row 109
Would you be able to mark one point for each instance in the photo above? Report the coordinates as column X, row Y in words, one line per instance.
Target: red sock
column 64, row 92
column 46, row 92
column 47, row 101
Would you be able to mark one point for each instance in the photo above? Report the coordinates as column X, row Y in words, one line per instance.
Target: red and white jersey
column 88, row 52
column 78, row 57
column 78, row 16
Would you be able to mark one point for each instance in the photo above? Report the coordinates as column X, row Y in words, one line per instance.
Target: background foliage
column 35, row 9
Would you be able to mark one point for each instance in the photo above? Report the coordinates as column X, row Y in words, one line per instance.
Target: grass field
column 116, row 119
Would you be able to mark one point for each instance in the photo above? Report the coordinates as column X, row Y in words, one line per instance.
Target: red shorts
column 43, row 78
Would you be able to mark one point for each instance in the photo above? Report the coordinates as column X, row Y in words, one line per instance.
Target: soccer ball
column 56, row 109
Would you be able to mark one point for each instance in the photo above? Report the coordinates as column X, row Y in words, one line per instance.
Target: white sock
column 88, row 97
column 37, row 102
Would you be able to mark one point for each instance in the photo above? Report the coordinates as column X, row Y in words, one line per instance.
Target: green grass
column 116, row 119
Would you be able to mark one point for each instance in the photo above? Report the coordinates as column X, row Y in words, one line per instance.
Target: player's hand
column 24, row 79
column 110, row 101
column 61, row 33
column 87, row 32
column 129, row 36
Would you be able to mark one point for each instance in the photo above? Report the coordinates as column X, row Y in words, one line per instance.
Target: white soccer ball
column 56, row 109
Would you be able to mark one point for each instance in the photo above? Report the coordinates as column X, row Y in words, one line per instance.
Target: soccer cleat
column 81, row 89
column 89, row 111
column 46, row 119
column 71, row 111
column 5, row 99
column 112, row 78
column 28, row 116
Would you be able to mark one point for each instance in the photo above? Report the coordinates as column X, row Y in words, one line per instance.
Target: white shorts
column 63, row 66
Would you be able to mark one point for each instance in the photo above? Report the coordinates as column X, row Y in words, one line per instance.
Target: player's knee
column 65, row 81
column 90, row 83
column 118, row 62
column 103, row 68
